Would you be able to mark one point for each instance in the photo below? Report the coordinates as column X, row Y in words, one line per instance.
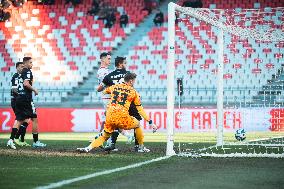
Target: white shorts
column 105, row 102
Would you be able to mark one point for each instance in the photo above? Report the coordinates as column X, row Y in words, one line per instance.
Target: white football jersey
column 102, row 72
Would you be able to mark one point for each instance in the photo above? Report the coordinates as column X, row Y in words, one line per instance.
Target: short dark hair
column 104, row 54
column 26, row 58
column 18, row 64
column 119, row 60
column 129, row 76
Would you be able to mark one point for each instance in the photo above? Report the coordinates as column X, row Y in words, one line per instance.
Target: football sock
column 136, row 141
column 98, row 135
column 13, row 133
column 22, row 131
column 24, row 126
column 17, row 136
column 124, row 133
column 114, row 137
column 99, row 141
column 35, row 137
column 102, row 126
column 109, row 141
column 139, row 135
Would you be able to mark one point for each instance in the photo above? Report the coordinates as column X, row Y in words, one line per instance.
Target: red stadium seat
column 191, row 71
column 163, row 77
column 256, row 70
column 228, row 76
column 133, row 67
column 152, row 72
column 237, row 66
column 269, row 66
column 145, row 62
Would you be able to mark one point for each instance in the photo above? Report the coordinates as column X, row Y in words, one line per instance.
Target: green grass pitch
column 29, row 168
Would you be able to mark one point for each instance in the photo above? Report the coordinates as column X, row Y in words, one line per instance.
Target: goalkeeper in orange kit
column 117, row 115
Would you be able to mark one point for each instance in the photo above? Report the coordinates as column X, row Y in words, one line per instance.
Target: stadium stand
column 66, row 43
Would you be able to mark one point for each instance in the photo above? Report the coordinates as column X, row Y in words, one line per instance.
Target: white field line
column 264, row 139
column 240, row 155
column 251, row 142
column 234, row 155
column 69, row 181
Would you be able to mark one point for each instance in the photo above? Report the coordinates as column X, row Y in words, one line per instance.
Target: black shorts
column 25, row 109
column 13, row 105
column 134, row 112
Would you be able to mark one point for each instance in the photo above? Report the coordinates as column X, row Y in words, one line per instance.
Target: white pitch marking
column 69, row 181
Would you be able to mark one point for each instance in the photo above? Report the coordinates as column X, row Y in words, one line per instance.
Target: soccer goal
column 225, row 78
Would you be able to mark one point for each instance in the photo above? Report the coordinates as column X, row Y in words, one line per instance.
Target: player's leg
column 132, row 123
column 36, row 142
column 140, row 139
column 111, row 142
column 96, row 142
column 136, row 146
column 21, row 115
column 21, row 132
column 111, row 118
column 27, row 111
column 101, row 130
column 99, row 141
column 22, row 129
column 103, row 124
column 102, row 127
column 14, row 131
column 104, row 102
column 108, row 130
column 33, row 116
column 130, row 137
column 134, row 112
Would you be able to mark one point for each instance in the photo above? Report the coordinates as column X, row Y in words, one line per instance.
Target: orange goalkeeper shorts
column 119, row 119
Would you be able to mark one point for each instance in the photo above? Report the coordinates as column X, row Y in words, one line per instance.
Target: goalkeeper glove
column 154, row 127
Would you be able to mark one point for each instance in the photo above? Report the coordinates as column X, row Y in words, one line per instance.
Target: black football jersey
column 117, row 77
column 14, row 82
column 134, row 112
column 25, row 75
column 114, row 77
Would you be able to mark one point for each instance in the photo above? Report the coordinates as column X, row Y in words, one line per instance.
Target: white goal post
column 204, row 15
column 171, row 79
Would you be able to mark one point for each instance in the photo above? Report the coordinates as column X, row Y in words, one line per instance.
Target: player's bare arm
column 141, row 111
column 28, row 86
column 15, row 90
column 100, row 88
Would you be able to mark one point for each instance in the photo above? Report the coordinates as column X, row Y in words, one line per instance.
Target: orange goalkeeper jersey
column 121, row 97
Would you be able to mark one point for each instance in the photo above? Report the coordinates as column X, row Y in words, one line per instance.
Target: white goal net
column 230, row 64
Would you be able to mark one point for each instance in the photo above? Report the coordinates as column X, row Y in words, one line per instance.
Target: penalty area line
column 69, row 181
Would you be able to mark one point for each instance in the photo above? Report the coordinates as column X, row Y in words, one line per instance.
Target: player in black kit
column 115, row 77
column 14, row 81
column 14, row 94
column 25, row 108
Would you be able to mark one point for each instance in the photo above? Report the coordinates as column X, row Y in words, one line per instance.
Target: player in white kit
column 102, row 72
